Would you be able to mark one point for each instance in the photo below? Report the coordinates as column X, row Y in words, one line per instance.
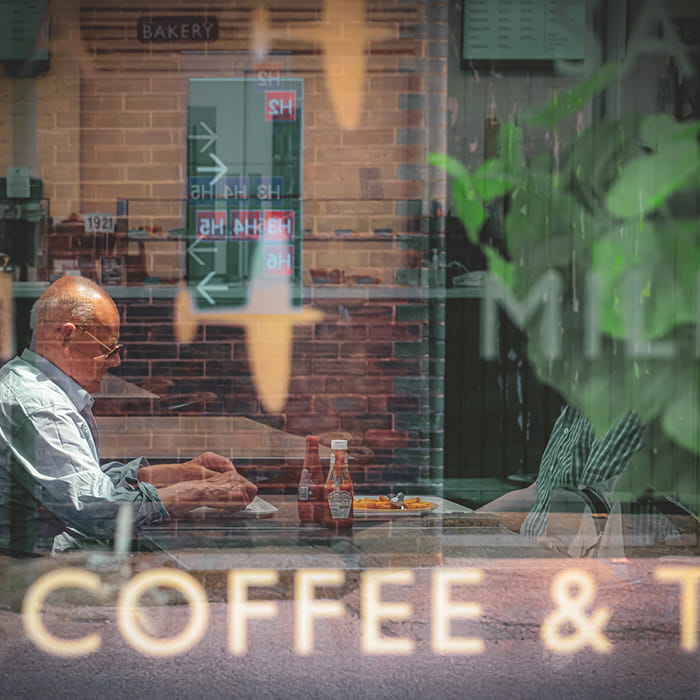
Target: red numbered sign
column 279, row 224
column 211, row 224
column 279, row 260
column 245, row 224
column 280, row 106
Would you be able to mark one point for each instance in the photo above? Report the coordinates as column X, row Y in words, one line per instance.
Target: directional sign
column 244, row 180
column 218, row 170
column 208, row 136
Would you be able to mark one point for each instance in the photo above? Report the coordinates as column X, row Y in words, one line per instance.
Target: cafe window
column 460, row 238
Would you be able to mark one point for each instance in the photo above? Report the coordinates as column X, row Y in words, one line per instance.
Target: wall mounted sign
column 244, row 187
column 19, row 23
column 17, row 182
column 523, row 30
column 177, row 28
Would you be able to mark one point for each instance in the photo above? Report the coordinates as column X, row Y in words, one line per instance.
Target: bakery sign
column 177, row 28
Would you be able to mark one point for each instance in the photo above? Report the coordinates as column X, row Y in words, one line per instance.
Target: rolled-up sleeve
column 56, row 450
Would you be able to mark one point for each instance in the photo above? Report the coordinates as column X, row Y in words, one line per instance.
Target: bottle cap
column 339, row 444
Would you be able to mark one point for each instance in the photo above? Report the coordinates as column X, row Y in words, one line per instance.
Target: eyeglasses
column 110, row 351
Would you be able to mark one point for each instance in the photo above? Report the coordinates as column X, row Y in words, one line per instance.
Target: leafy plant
column 619, row 201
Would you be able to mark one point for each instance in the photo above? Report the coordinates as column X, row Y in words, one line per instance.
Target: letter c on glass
column 31, row 609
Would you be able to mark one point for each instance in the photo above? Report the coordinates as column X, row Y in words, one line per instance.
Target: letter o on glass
column 127, row 612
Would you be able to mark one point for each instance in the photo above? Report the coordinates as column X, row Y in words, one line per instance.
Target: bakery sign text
column 177, row 28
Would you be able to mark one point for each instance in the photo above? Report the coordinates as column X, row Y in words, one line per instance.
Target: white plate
column 257, row 508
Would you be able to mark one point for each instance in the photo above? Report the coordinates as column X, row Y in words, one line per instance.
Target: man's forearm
column 162, row 475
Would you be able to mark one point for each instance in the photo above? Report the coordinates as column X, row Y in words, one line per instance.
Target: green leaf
column 592, row 162
column 490, row 181
column 656, row 129
column 499, row 267
column 681, row 419
column 665, row 261
column 570, row 102
column 546, row 227
column 510, row 147
column 450, row 165
column 647, row 181
column 469, row 207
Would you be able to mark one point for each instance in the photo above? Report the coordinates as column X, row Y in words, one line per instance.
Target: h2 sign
column 244, row 187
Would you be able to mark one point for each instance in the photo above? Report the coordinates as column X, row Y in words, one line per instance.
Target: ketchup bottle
column 310, row 491
column 338, row 490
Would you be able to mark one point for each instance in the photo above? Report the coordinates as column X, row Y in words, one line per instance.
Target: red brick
column 371, row 313
column 377, row 404
column 365, row 385
column 341, row 404
column 340, row 331
column 315, row 349
column 312, row 423
column 363, row 423
column 385, row 439
column 313, row 385
column 340, row 367
column 400, row 367
column 365, row 349
column 411, row 331
column 369, row 137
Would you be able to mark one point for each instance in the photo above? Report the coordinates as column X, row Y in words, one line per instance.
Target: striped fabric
column 574, row 457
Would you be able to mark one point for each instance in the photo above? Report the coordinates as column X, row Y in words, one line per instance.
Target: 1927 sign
column 177, row 28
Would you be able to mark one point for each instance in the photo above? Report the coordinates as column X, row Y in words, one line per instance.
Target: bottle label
column 304, row 493
column 339, row 504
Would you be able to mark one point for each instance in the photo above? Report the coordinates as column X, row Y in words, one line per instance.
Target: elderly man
column 49, row 463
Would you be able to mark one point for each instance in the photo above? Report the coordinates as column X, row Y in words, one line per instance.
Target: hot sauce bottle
column 310, row 492
column 338, row 490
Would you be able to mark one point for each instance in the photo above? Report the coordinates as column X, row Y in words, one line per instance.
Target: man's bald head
column 70, row 298
column 74, row 322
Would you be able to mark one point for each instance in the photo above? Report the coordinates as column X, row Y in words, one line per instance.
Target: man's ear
column 65, row 332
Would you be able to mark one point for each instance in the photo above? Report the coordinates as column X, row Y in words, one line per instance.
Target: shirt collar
column 79, row 396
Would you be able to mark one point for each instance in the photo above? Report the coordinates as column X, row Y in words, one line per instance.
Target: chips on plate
column 383, row 503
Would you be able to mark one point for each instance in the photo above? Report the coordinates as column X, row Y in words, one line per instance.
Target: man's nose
column 115, row 360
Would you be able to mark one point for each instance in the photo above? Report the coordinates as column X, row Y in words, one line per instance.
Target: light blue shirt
column 49, row 461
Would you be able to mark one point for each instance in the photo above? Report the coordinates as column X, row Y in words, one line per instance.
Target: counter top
column 281, row 542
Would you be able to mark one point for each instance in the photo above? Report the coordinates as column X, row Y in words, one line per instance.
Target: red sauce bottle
column 338, row 490
column 310, row 490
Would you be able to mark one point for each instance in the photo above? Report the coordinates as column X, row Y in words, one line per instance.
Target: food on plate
column 384, row 503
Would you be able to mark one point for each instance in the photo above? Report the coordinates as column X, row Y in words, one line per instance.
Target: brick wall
column 371, row 368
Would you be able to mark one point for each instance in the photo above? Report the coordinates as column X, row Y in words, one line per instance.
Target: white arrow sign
column 220, row 169
column 204, row 289
column 209, row 137
column 190, row 250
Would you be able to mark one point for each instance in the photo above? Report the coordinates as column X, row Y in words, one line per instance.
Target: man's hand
column 205, row 466
column 213, row 462
column 226, row 492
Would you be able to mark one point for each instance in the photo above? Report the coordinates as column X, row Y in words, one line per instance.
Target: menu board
column 523, row 30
